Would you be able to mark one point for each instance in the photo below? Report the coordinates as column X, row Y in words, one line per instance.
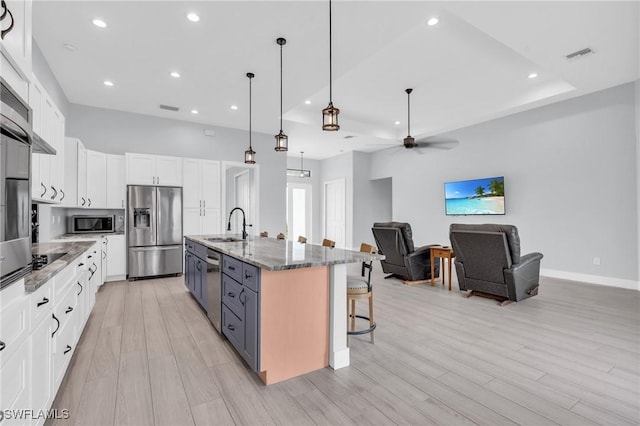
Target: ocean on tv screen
column 478, row 196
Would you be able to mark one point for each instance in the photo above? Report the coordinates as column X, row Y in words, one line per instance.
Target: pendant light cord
column 330, row 56
column 409, row 114
column 281, row 88
column 250, row 78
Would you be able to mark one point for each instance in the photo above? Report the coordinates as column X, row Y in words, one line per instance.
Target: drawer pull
column 57, row 327
column 247, row 276
column 80, row 265
column 83, row 201
column 89, row 202
column 69, row 309
column 2, row 345
column 62, row 194
column 81, row 288
column 231, row 294
column 104, row 254
column 240, row 297
column 232, row 268
column 45, row 190
column 67, row 350
column 199, row 266
column 44, row 302
column 231, row 327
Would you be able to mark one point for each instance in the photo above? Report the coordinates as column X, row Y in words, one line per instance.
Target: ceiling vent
column 579, row 53
column 349, row 137
column 169, row 108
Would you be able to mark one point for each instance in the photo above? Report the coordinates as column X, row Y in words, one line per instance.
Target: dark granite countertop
column 88, row 236
column 278, row 255
column 73, row 250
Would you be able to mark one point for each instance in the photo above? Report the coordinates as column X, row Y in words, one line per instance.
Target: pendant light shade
column 282, row 140
column 330, row 113
column 250, row 154
column 409, row 142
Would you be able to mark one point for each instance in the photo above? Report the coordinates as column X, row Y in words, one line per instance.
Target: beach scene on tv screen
column 478, row 196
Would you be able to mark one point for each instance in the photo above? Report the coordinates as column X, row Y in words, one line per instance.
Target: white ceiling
column 471, row 67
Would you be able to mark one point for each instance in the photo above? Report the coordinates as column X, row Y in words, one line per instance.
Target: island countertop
column 279, row 255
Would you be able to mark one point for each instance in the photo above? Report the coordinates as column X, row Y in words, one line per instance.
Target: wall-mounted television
column 475, row 197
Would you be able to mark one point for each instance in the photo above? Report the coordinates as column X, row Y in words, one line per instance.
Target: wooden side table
column 442, row 253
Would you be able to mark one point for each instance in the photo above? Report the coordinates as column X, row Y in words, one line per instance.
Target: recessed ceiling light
column 174, row 74
column 99, row 23
column 533, row 75
column 108, row 83
column 396, row 122
column 234, row 107
column 433, row 21
column 194, row 111
column 307, row 102
column 193, row 17
column 70, row 47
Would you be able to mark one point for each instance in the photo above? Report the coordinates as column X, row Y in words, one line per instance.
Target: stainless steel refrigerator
column 154, row 231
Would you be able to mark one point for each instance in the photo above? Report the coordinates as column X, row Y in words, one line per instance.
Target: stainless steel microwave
column 89, row 224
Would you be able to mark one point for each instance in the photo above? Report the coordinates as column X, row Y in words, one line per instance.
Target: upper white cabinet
column 116, row 187
column 201, row 196
column 15, row 46
column 96, row 179
column 144, row 169
column 47, row 170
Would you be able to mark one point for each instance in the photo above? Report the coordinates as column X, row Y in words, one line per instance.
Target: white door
column 210, row 182
column 191, row 193
column 335, row 212
column 96, row 179
column 116, row 257
column 210, row 221
column 168, row 171
column 141, row 169
column 242, row 200
column 191, row 221
column 116, row 188
column 299, row 211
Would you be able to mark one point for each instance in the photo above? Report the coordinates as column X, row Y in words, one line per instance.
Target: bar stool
column 302, row 239
column 280, row 236
column 360, row 288
column 264, row 234
column 328, row 243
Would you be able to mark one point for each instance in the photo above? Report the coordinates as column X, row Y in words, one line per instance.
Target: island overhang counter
column 302, row 301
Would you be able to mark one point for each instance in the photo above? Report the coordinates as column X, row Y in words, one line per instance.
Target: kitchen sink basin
column 224, row 239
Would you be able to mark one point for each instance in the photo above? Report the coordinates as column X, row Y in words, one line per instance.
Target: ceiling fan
column 431, row 142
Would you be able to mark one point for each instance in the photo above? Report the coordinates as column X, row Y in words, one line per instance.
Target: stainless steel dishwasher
column 214, row 292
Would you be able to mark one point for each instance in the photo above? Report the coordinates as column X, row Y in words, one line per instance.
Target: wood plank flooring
column 569, row 356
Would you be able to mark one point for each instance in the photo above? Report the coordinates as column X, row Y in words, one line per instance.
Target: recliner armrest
column 523, row 278
column 526, row 260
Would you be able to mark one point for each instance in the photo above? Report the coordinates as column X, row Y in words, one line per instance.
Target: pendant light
column 250, row 154
column 282, row 140
column 301, row 172
column 330, row 114
column 409, row 142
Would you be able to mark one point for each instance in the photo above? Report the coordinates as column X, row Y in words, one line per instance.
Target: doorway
column 240, row 185
column 299, row 211
column 335, row 212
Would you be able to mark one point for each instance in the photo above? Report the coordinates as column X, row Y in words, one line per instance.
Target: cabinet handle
column 232, row 268
column 231, row 294
column 69, row 309
column 67, row 350
column 231, row 327
column 104, row 254
column 199, row 266
column 83, row 201
column 80, row 264
column 45, row 189
column 204, row 203
column 200, row 203
column 55, row 192
column 89, row 202
column 44, row 302
column 81, row 288
column 89, row 257
column 62, row 194
column 158, row 180
column 57, row 327
column 2, row 345
column 240, row 297
column 247, row 275
column 3, row 33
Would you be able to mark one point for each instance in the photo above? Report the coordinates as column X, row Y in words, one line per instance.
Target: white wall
column 571, row 183
column 48, row 80
column 117, row 132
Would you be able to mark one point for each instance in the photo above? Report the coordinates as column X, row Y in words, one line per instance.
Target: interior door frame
column 324, row 206
column 308, row 208
column 255, row 194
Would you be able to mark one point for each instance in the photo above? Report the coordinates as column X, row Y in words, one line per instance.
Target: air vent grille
column 582, row 52
column 169, row 108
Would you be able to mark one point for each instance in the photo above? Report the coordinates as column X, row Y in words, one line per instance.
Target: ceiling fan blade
column 438, row 143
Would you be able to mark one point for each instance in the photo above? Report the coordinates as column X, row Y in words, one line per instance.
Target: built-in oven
column 15, row 194
column 214, row 288
column 83, row 224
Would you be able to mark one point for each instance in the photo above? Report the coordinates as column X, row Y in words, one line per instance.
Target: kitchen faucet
column 244, row 222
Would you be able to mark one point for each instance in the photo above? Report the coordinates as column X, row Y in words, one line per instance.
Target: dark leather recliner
column 395, row 241
column 488, row 261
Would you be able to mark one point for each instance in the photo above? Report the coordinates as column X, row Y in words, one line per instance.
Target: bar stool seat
column 359, row 287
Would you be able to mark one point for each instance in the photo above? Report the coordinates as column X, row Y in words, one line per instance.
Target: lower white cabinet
column 41, row 363
column 116, row 258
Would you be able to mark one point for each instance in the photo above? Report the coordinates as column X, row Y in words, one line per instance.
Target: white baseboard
column 591, row 279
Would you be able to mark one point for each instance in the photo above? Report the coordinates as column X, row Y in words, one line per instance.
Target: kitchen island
column 295, row 304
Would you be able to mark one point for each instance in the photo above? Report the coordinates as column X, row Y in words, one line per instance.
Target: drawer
column 14, row 324
column 251, row 276
column 14, row 381
column 232, row 267
column 231, row 290
column 66, row 306
column 189, row 244
column 63, row 348
column 69, row 275
column 40, row 304
column 233, row 328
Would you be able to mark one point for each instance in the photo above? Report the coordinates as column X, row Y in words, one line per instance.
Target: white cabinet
column 16, row 44
column 144, row 169
column 48, row 123
column 116, row 258
column 96, row 180
column 201, row 197
column 116, row 187
column 81, row 177
column 41, row 360
column 14, row 382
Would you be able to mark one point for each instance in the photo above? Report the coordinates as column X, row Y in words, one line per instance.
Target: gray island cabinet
column 283, row 304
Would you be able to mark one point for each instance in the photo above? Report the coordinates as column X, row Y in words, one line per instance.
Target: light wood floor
column 568, row 356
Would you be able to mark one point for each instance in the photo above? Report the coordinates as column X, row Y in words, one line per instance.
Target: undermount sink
column 224, row 240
